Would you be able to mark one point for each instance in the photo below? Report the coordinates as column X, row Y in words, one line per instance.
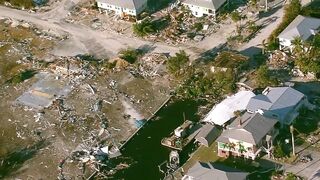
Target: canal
column 145, row 151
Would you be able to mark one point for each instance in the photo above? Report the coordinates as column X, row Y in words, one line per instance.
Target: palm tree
column 297, row 46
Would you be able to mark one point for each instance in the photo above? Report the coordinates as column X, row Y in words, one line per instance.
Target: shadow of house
column 211, row 53
column 156, row 5
column 146, row 48
column 14, row 161
column 251, row 51
column 270, row 12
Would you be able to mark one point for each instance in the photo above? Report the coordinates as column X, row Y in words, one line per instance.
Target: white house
column 123, row 7
column 200, row 8
column 301, row 26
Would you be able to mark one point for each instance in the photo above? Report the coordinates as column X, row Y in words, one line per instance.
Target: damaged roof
column 210, row 4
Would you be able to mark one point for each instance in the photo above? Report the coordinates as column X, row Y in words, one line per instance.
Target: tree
column 307, row 54
column 235, row 16
column 177, row 62
column 264, row 77
column 144, row 28
column 130, row 55
column 278, row 151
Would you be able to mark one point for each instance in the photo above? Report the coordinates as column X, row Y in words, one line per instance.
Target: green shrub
column 22, row 76
column 198, row 26
column 279, row 151
column 130, row 55
column 144, row 28
column 19, row 3
column 264, row 77
column 177, row 62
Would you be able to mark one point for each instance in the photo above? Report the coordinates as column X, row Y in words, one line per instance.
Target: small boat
column 181, row 136
column 174, row 160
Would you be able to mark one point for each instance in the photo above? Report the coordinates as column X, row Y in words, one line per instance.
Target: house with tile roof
column 201, row 8
column 302, row 27
column 123, row 7
column 282, row 103
column 248, row 136
column 213, row 171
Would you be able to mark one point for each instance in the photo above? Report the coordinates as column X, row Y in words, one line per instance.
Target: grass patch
column 22, row 76
column 28, row 4
column 203, row 154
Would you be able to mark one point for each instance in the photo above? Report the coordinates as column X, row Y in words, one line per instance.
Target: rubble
column 152, row 65
column 279, row 60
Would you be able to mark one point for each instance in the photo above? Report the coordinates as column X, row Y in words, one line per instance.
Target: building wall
column 201, row 11
column 120, row 10
column 252, row 151
column 249, row 153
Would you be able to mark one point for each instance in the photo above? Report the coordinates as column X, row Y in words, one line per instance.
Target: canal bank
column 145, row 151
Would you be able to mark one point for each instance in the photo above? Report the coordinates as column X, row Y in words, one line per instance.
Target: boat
column 182, row 135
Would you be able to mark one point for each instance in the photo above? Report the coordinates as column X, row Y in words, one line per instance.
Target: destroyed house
column 201, row 8
column 123, row 7
column 229, row 60
column 248, row 136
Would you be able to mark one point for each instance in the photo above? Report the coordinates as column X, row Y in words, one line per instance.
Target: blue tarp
column 140, row 123
column 40, row 2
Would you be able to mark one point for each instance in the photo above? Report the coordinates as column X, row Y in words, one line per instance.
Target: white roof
column 224, row 111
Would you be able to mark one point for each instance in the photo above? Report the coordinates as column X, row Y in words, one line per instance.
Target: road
column 82, row 39
column 309, row 170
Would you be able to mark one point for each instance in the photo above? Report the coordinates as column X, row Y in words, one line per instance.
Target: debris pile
column 184, row 27
column 85, row 13
column 152, row 65
column 279, row 60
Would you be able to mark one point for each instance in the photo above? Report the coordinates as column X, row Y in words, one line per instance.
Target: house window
column 210, row 11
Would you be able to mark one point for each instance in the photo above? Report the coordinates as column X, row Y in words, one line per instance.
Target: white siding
column 120, row 10
column 200, row 11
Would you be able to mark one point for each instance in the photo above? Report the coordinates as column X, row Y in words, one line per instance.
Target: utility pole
column 292, row 139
